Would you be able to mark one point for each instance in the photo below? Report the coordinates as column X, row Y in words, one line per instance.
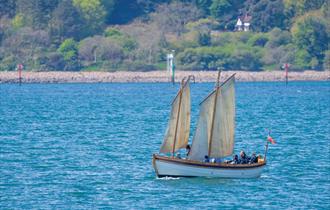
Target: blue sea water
column 86, row 146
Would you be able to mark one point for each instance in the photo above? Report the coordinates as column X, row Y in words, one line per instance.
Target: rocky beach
column 156, row 76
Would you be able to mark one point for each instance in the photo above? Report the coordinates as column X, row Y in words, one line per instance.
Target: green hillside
column 135, row 35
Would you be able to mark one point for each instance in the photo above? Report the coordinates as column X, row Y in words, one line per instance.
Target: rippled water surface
column 90, row 145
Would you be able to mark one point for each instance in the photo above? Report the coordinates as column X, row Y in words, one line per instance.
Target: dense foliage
column 137, row 34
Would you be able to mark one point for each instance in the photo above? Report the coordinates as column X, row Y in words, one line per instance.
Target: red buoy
column 20, row 69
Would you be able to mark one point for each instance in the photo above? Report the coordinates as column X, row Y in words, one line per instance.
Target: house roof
column 247, row 18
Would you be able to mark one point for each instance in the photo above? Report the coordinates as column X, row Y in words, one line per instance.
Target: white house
column 239, row 25
column 243, row 23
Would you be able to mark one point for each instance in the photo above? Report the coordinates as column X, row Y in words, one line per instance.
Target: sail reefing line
column 214, row 135
column 177, row 132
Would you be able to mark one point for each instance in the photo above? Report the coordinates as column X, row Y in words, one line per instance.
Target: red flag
column 270, row 139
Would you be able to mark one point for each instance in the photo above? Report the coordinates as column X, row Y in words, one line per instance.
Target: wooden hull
column 174, row 167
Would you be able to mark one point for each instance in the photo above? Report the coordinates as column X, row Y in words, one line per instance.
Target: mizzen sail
column 215, row 130
column 177, row 132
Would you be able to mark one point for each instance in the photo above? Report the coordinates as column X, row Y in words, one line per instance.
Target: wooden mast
column 177, row 117
column 213, row 114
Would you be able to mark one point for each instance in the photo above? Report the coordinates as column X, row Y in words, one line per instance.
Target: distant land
column 136, row 35
column 156, row 76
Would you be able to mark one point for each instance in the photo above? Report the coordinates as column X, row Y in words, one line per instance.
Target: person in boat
column 178, row 155
column 259, row 157
column 243, row 159
column 206, row 159
column 253, row 159
column 234, row 160
column 188, row 148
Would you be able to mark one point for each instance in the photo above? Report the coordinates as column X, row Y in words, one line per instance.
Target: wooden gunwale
column 207, row 165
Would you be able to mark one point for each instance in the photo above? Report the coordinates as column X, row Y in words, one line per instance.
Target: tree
column 100, row 48
column 219, row 7
column 69, row 50
column 275, row 57
column 67, row 22
column 52, row 61
column 173, row 17
column 124, row 40
column 204, row 38
column 245, row 60
column 204, row 5
column 125, row 11
column 299, row 7
column 259, row 39
column 226, row 11
column 26, row 45
column 326, row 63
column 148, row 37
column 277, row 38
column 109, row 6
column 93, row 12
column 36, row 13
column 7, row 8
column 265, row 14
column 310, row 34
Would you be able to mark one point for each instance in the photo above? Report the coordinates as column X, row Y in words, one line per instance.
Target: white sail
column 215, row 130
column 178, row 128
column 200, row 141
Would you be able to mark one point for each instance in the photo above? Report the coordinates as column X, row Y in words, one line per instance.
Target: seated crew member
column 206, row 159
column 235, row 159
column 188, row 148
column 253, row 159
column 243, row 158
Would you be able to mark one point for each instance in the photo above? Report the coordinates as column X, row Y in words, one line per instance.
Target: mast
column 177, row 117
column 177, row 120
column 214, row 110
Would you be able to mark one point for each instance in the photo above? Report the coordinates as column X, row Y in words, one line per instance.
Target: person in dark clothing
column 188, row 148
column 206, row 159
column 253, row 159
column 234, row 160
column 243, row 158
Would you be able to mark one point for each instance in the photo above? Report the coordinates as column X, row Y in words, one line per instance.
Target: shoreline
column 156, row 76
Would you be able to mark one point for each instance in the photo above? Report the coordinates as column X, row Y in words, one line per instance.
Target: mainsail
column 216, row 125
column 177, row 132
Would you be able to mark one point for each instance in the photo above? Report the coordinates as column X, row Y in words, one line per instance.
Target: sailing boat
column 214, row 136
